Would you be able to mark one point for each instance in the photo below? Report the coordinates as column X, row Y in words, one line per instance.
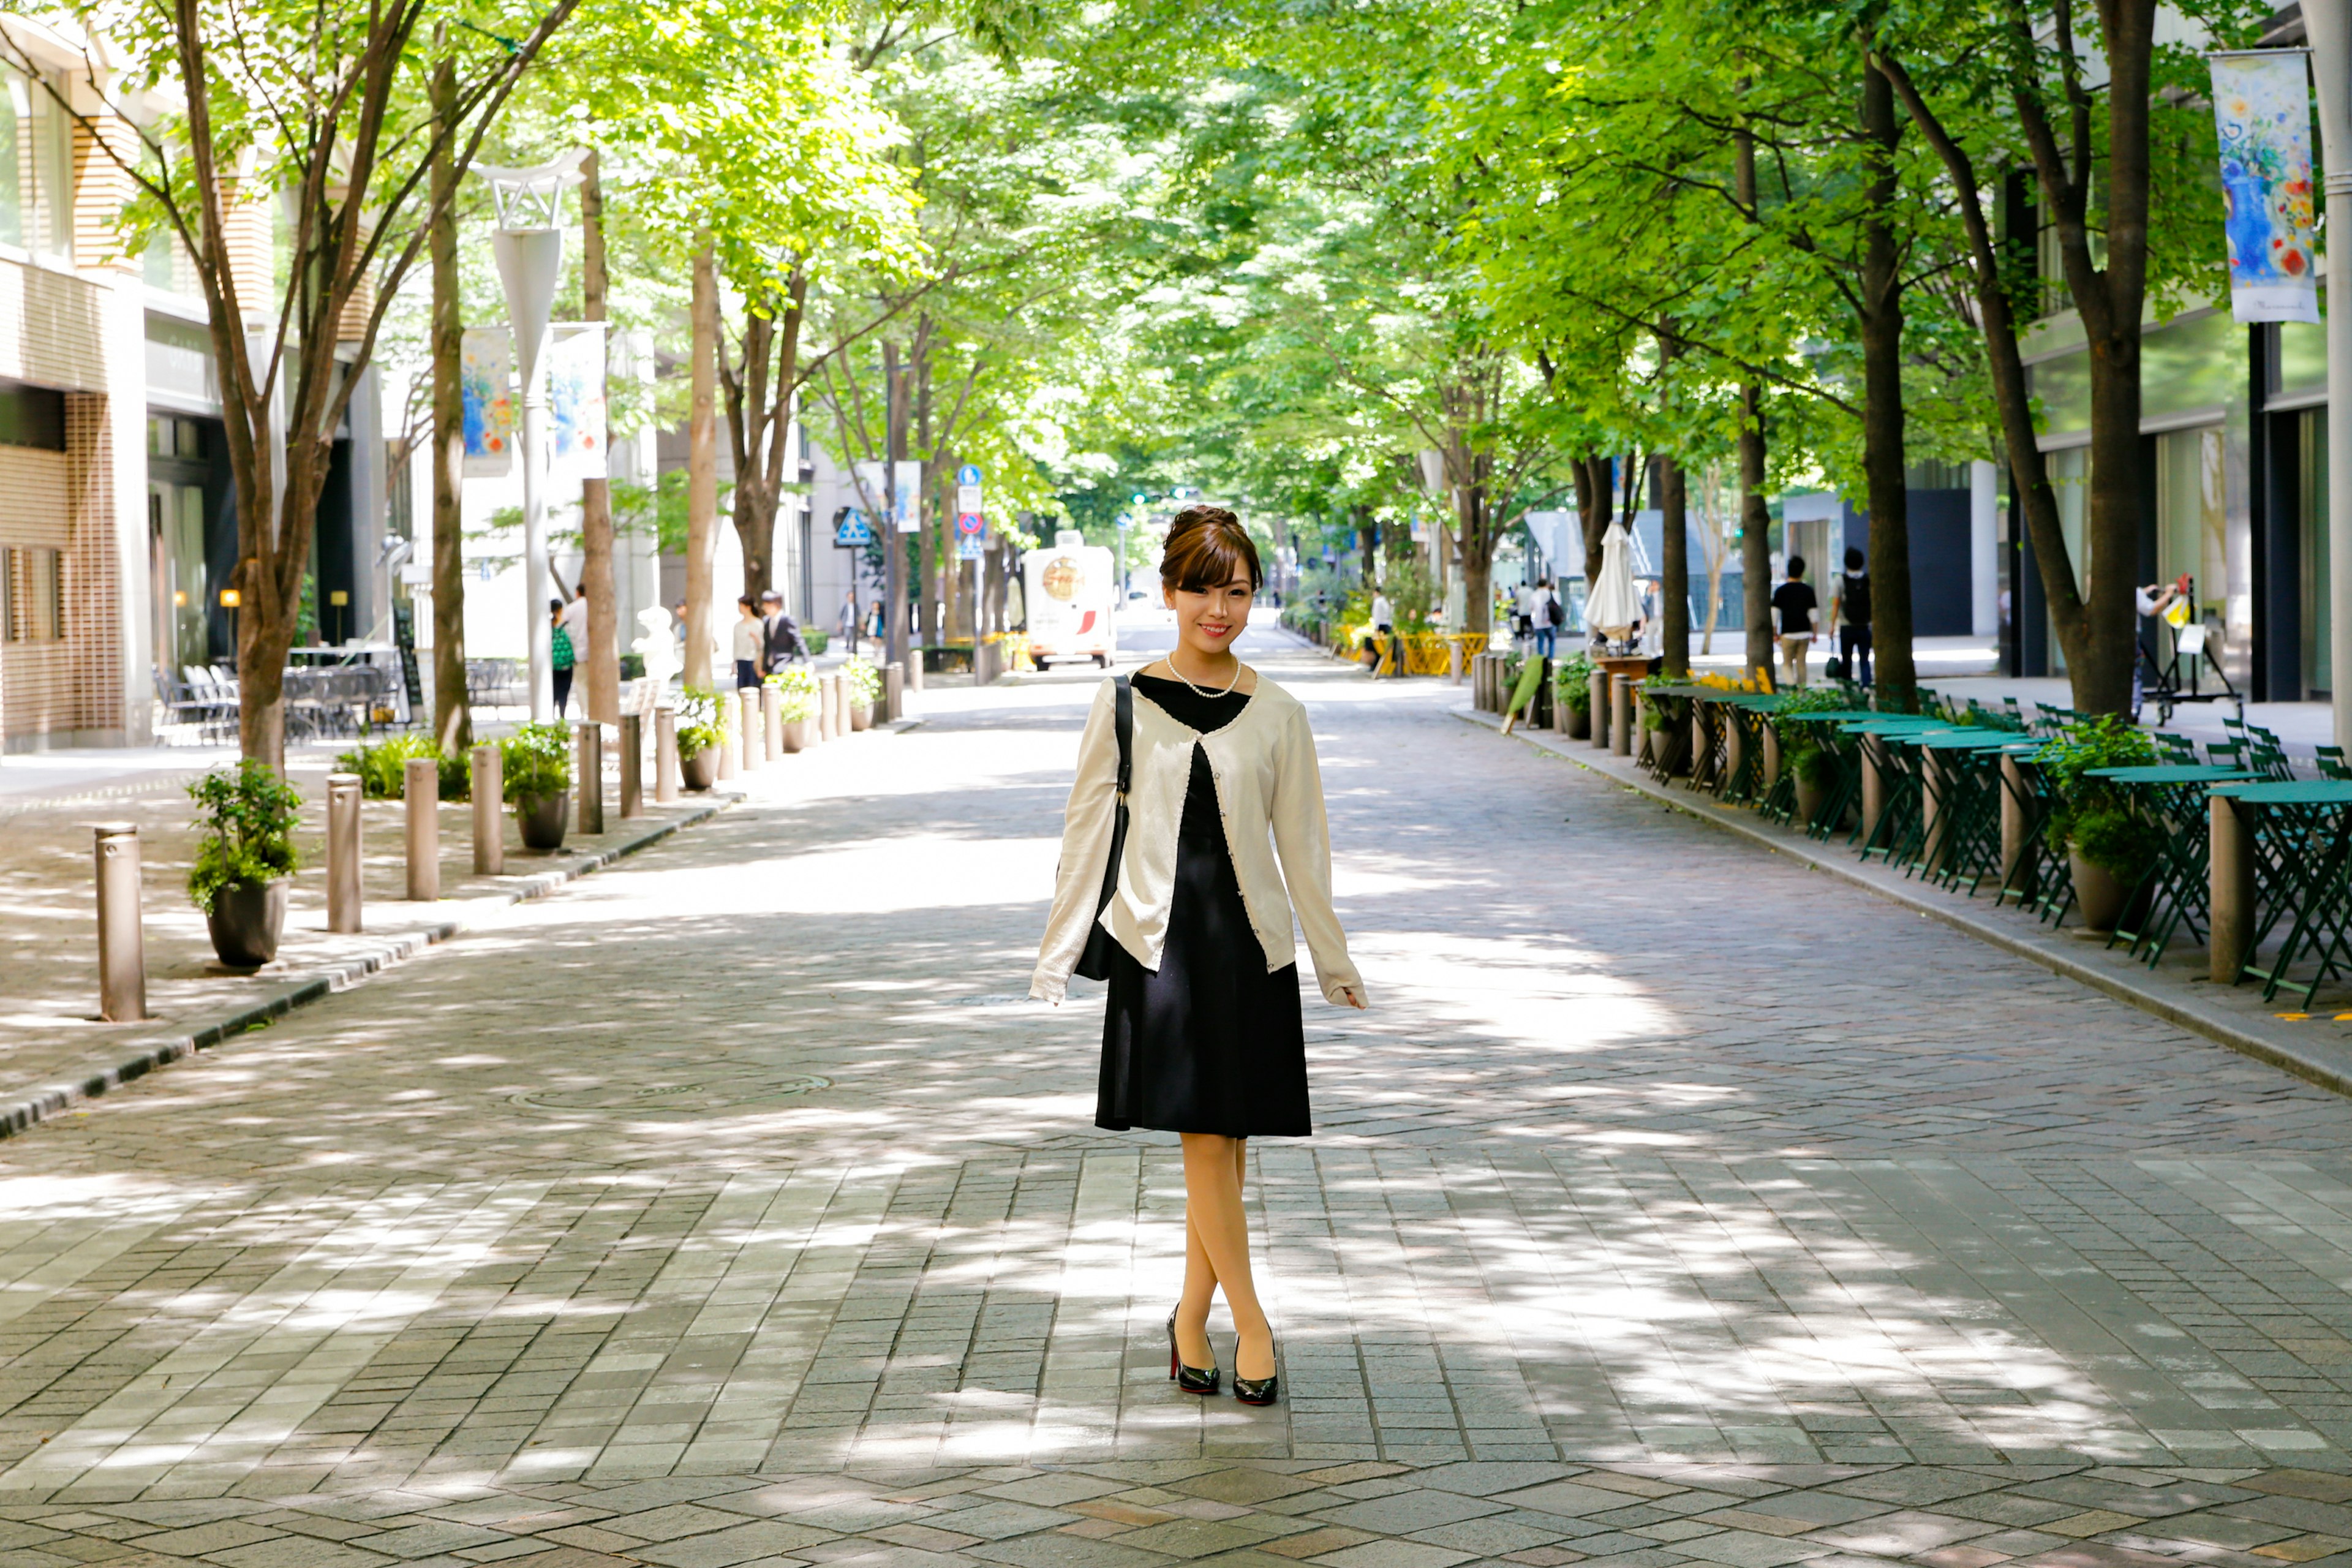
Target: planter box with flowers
column 796, row 700
column 701, row 731
column 864, row 692
column 535, row 769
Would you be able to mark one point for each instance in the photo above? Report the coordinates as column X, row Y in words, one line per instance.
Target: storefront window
column 36, row 167
column 2070, row 478
column 2192, row 365
column 2192, row 520
column 2302, row 359
column 2318, row 617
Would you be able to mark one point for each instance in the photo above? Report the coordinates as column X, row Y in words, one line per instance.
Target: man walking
column 1549, row 616
column 1796, row 606
column 780, row 634
column 1850, row 612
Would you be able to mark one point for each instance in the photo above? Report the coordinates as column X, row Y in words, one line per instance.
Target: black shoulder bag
column 1095, row 962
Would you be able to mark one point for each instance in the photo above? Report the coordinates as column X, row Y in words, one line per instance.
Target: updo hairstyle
column 1207, row 548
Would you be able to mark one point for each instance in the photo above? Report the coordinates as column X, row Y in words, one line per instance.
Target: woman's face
column 1208, row 622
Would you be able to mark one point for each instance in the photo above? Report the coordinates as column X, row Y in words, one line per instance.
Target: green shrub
column 534, row 763
column 1803, row 751
column 382, row 766
column 796, row 686
column 1572, row 679
column 817, row 641
column 2094, row 816
column 865, row 682
column 701, row 722
column 246, row 819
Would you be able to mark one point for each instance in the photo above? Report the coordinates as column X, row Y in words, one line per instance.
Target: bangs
column 1207, row 553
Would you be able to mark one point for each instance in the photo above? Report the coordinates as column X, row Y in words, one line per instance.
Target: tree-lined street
column 730, row 1207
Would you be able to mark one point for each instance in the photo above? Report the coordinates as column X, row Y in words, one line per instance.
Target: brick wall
column 65, row 501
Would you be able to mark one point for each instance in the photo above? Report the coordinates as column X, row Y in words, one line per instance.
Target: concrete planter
column 700, row 771
column 245, row 921
column 541, row 818
column 2101, row 897
column 1576, row 723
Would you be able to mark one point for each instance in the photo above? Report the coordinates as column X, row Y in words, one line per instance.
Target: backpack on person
column 1856, row 598
column 1555, row 614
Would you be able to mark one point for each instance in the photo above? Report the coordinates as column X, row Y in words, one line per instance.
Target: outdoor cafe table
column 1961, row 814
column 2171, row 796
column 2279, row 857
column 1890, row 784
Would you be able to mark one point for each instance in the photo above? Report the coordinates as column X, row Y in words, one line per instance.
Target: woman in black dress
column 1202, row 1035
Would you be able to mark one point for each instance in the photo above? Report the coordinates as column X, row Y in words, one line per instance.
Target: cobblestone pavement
column 1674, row 1205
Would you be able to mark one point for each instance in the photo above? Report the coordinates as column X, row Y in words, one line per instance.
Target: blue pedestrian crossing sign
column 853, row 529
column 968, row 474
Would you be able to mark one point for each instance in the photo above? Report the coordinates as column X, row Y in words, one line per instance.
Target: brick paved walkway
column 1675, row 1206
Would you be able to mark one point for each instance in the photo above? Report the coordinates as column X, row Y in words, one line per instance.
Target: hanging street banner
column 575, row 401
column 2262, row 107
column 853, row 528
column 486, row 380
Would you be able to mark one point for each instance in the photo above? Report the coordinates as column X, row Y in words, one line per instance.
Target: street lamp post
column 529, row 247
column 2327, row 27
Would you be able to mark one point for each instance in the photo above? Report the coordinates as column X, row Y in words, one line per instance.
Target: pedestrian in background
column 748, row 657
column 575, row 623
column 559, row 656
column 1547, row 618
column 779, row 634
column 1850, row 611
column 1798, row 611
column 1202, row 1035
column 845, row 625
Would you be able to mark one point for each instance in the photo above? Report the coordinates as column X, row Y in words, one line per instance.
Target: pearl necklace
column 1196, row 690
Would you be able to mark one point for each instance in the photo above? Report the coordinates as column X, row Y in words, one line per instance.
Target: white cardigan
column 1267, row 785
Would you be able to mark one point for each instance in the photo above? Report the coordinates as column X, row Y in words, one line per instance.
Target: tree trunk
column 1673, row 569
column 1755, row 520
column 1755, row 536
column 603, row 654
column 1882, row 411
column 1475, row 549
column 702, row 465
column 452, row 718
column 933, row 571
column 1591, row 475
column 894, row 543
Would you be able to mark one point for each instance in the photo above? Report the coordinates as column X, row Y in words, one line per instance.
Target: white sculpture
column 658, row 648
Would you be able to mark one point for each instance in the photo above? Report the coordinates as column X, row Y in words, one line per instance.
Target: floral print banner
column 2261, row 106
column 486, row 380
column 575, row 401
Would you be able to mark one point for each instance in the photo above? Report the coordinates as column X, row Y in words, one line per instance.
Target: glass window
column 36, row 167
column 2318, row 616
column 2302, row 359
column 2070, row 478
column 2062, row 387
column 2192, row 522
column 36, row 593
column 2192, row 365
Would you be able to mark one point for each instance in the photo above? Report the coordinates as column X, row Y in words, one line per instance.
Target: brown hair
column 1207, row 548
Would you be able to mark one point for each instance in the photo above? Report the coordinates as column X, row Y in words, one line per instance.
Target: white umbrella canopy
column 1615, row 604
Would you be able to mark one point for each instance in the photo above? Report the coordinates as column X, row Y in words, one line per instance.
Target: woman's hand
column 1353, row 997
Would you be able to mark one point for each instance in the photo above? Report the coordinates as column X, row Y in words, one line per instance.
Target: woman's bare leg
column 1200, row 1290
column 1213, row 1211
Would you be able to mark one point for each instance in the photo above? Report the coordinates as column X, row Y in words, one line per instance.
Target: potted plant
column 796, row 702
column 701, row 731
column 864, row 692
column 535, row 773
column 1805, row 754
column 382, row 767
column 2108, row 846
column 1571, row 696
column 244, row 857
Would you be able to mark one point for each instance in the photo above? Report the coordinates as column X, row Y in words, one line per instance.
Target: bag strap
column 1123, row 698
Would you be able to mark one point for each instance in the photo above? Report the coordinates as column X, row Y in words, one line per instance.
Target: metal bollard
column 2231, row 885
column 667, row 780
column 828, row 713
column 1932, row 815
column 489, row 821
column 122, row 935
column 730, row 743
column 861, row 712
column 1453, row 662
column 1598, row 687
column 343, row 852
column 1771, row 754
column 632, row 766
column 1620, row 715
column 588, row 765
column 914, row 669
column 420, row 789
column 752, row 726
column 894, row 690
column 1873, row 788
column 772, row 722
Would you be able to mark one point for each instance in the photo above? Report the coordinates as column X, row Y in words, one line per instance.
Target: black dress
column 1210, row 1042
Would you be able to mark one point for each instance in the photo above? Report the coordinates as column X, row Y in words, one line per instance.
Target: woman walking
column 561, row 654
column 1203, row 1035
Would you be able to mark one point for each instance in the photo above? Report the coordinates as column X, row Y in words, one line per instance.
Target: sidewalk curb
column 2127, row 981
column 30, row 1106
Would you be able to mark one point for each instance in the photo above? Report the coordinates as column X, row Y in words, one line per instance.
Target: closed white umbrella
column 1614, row 605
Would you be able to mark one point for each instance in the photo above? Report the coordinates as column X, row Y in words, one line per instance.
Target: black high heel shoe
column 1191, row 1379
column 1257, row 1390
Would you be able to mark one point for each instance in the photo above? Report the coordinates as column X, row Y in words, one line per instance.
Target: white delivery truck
column 1069, row 589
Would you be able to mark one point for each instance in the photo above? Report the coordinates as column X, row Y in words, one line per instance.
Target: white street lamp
column 529, row 247
column 2328, row 28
